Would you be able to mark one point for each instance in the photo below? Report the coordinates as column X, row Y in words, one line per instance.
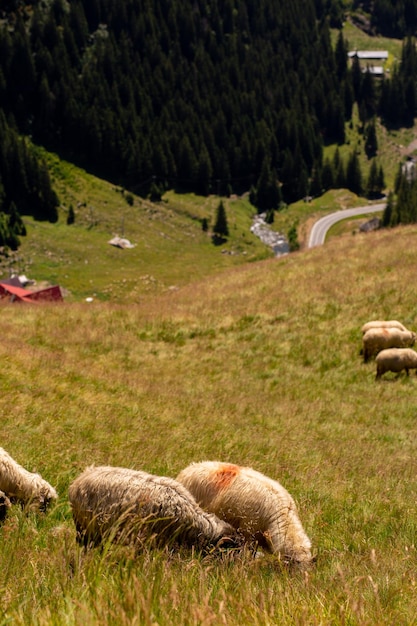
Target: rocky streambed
column 277, row 241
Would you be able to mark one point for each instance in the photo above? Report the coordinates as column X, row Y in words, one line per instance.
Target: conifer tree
column 328, row 177
column 371, row 141
column 8, row 236
column 357, row 78
column 368, row 95
column 336, row 13
column 204, row 172
column 354, row 174
column 4, row 229
column 187, row 162
column 406, row 206
column 339, row 170
column 268, row 194
column 348, row 96
column 16, row 224
column 221, row 228
column 398, row 178
column 316, row 182
column 381, row 179
column 293, row 242
column 388, row 213
column 252, row 195
column 71, row 215
column 269, row 219
column 155, row 192
column 374, row 184
column 341, row 56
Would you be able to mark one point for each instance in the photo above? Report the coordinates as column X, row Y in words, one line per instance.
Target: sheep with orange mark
column 377, row 339
column 27, row 488
column 259, row 507
column 382, row 324
column 127, row 506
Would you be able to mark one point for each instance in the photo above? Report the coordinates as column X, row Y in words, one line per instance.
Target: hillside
column 260, row 366
column 230, row 101
column 199, row 100
column 221, row 100
column 170, row 246
column 187, row 350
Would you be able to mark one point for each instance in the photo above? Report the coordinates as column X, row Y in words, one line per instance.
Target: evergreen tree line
column 401, row 207
column 337, row 174
column 25, row 187
column 200, row 99
column 393, row 98
column 392, row 18
column 219, row 97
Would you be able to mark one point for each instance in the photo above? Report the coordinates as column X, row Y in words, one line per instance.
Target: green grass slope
column 170, row 246
column 169, row 243
column 257, row 365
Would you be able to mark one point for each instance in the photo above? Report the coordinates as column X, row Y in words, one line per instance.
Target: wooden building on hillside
column 372, row 61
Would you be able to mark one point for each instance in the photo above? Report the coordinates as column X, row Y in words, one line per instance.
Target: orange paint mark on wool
column 223, row 477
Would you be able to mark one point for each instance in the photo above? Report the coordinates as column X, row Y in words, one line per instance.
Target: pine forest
column 220, row 97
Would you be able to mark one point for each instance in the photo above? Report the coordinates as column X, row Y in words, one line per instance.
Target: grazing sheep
column 128, row 506
column 377, row 339
column 382, row 324
column 23, row 486
column 4, row 505
column 259, row 507
column 395, row 360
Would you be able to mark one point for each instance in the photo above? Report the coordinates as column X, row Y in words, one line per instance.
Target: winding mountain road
column 320, row 228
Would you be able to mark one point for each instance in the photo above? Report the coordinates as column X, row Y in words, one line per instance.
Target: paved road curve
column 320, row 228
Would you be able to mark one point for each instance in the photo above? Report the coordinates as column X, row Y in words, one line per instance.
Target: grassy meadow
column 256, row 364
column 169, row 242
column 191, row 351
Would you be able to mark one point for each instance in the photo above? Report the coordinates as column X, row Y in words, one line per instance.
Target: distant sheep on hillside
column 129, row 506
column 23, row 486
column 395, row 360
column 259, row 507
column 382, row 324
column 377, row 339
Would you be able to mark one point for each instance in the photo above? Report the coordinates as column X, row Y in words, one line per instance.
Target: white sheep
column 395, row 360
column 382, row 324
column 259, row 507
column 5, row 504
column 128, row 506
column 25, row 487
column 377, row 339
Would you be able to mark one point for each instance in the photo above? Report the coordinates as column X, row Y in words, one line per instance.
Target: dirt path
column 412, row 147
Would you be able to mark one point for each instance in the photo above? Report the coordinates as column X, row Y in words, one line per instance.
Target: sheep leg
column 84, row 538
column 4, row 506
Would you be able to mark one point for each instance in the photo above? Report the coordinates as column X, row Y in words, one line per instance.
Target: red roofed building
column 13, row 293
